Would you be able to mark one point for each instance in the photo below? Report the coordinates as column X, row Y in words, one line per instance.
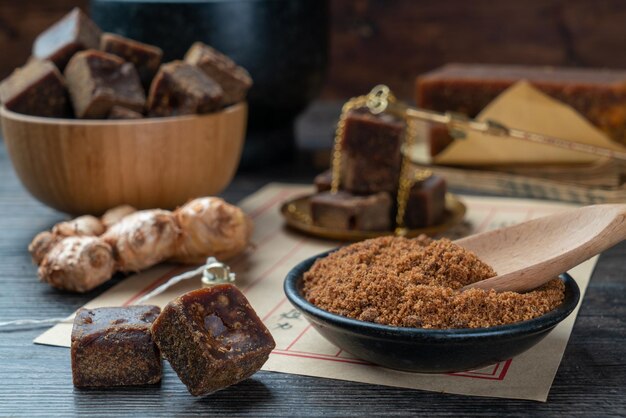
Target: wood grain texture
column 530, row 254
column 87, row 166
column 36, row 380
column 392, row 41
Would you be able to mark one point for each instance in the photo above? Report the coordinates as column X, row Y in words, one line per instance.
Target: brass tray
column 297, row 214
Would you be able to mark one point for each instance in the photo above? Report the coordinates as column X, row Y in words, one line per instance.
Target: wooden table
column 36, row 380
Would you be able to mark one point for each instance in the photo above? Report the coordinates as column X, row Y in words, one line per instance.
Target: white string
column 207, row 271
column 18, row 322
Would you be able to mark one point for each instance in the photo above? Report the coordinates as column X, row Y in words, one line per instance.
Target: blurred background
column 394, row 40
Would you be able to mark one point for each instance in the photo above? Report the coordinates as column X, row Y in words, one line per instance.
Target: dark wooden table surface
column 36, row 380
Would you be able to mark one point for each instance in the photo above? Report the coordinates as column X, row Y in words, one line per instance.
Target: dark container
column 427, row 350
column 282, row 43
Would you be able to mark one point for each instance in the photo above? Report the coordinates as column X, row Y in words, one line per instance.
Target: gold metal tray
column 297, row 214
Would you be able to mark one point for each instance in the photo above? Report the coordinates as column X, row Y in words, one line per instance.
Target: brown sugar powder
column 416, row 283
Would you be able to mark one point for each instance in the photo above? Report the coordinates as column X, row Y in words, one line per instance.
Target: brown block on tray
column 349, row 212
column 36, row 89
column 427, row 203
column 120, row 112
column 371, row 156
column 114, row 347
column 183, row 89
column 323, row 181
column 438, row 138
column 234, row 80
column 599, row 95
column 73, row 33
column 212, row 338
column 97, row 81
column 146, row 58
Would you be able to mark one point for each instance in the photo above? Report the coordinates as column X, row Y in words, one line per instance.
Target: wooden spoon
column 529, row 254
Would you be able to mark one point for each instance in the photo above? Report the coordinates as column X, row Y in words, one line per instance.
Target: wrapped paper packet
column 524, row 107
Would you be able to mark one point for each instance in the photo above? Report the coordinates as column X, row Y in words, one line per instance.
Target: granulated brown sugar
column 415, row 283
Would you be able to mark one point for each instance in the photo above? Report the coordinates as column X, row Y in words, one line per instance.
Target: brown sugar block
column 182, row 89
column 73, row 33
column 114, row 347
column 438, row 138
column 426, row 203
column 371, row 156
column 323, row 181
column 597, row 94
column 120, row 112
column 212, row 338
column 349, row 212
column 146, row 58
column 97, row 81
column 36, row 89
column 234, row 80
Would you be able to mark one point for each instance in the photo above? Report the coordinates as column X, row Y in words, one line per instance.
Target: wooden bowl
column 89, row 166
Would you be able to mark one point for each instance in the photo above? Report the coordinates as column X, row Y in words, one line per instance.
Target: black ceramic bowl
column 427, row 350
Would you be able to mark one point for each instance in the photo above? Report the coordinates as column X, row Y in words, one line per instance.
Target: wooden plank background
column 392, row 41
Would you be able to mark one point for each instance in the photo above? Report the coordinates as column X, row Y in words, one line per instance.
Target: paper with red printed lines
column 301, row 350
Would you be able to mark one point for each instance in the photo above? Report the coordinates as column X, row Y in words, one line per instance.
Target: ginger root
column 41, row 245
column 211, row 227
column 81, row 254
column 143, row 239
column 86, row 225
column 116, row 214
column 78, row 264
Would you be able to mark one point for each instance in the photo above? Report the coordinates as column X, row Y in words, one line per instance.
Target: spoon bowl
column 529, row 254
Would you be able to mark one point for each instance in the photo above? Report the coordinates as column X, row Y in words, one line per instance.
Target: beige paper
column 301, row 350
column 524, row 107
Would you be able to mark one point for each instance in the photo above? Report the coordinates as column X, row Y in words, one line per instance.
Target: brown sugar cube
column 97, row 81
column 323, row 181
column 371, row 156
column 120, row 112
column 36, row 89
column 212, row 338
column 114, row 347
column 146, row 58
column 597, row 94
column 182, row 89
column 349, row 212
column 73, row 33
column 427, row 203
column 234, row 80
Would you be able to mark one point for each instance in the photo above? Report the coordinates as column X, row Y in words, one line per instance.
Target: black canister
column 282, row 43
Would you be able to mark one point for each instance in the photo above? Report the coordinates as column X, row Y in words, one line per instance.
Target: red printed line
column 485, row 223
column 516, row 208
column 316, row 357
column 472, row 372
column 338, row 352
column 529, row 215
column 308, row 327
column 499, row 377
column 278, row 305
column 157, row 282
column 276, row 265
column 471, row 375
column 505, row 369
column 268, row 205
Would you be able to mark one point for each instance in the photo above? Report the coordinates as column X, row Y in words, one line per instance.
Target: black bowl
column 427, row 350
